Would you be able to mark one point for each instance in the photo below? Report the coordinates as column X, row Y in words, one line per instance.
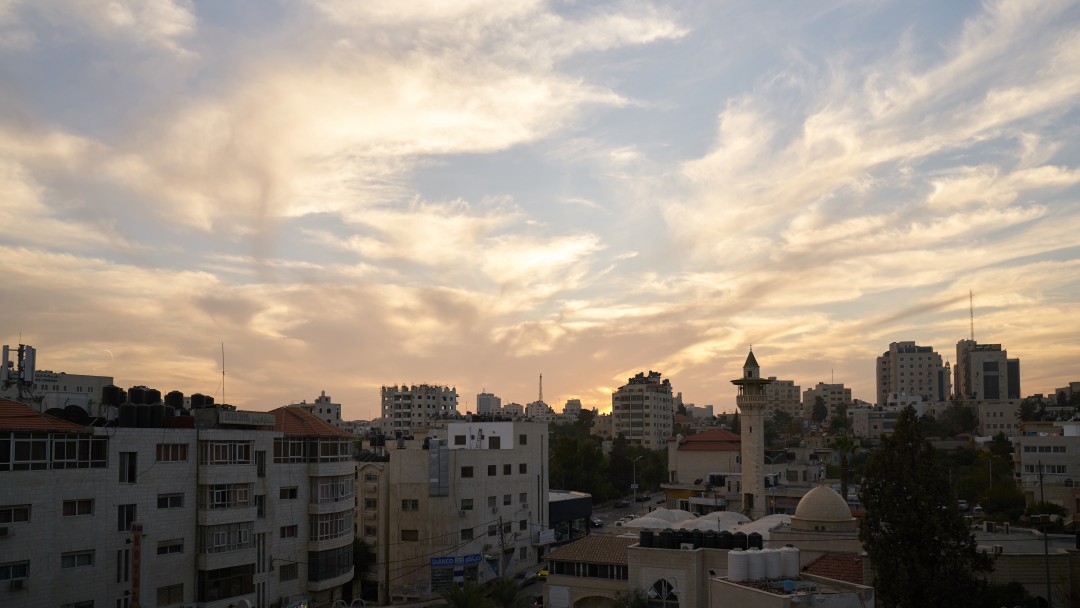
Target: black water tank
column 198, row 400
column 208, row 401
column 157, row 416
column 143, row 414
column 137, row 395
column 738, row 541
column 698, row 538
column 645, row 539
column 724, row 540
column 755, row 540
column 711, row 541
column 129, row 415
column 170, row 411
column 56, row 412
column 682, row 536
column 153, row 396
column 175, row 399
column 76, row 414
column 112, row 395
column 667, row 539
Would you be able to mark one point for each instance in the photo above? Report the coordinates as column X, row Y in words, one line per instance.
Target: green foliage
column 505, row 593
column 957, row 418
column 1031, row 409
column 1000, row 446
column 736, row 426
column 470, row 595
column 578, row 463
column 634, row 598
column 820, row 411
column 915, row 536
column 1009, row 594
column 839, row 422
column 845, row 446
column 363, row 557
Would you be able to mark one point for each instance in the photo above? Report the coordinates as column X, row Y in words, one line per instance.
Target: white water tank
column 772, row 563
column 757, row 564
column 738, row 568
column 789, row 562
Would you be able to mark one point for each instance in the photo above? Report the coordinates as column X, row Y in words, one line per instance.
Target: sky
column 343, row 195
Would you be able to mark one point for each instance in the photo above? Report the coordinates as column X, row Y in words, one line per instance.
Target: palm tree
column 505, row 593
column 470, row 595
column 845, row 446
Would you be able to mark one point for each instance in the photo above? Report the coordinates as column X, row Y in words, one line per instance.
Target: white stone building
column 643, row 411
column 909, row 369
column 488, row 404
column 985, row 372
column 405, row 408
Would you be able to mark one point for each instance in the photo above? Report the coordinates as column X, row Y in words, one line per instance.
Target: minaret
column 751, row 403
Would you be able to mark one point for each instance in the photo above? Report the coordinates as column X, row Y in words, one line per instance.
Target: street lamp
column 633, row 486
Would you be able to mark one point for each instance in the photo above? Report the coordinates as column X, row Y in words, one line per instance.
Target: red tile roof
column 712, row 440
column 595, row 549
column 845, row 567
column 15, row 416
column 298, row 422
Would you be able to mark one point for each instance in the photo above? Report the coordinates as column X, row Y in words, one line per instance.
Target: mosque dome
column 822, row 509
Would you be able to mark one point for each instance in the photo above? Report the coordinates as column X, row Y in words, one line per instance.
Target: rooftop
column 298, row 422
column 845, row 567
column 595, row 549
column 15, row 416
column 712, row 440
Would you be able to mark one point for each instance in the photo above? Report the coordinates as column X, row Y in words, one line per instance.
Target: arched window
column 664, row 594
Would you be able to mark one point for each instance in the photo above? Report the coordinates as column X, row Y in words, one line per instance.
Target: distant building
column 487, row 404
column 48, row 389
column 832, row 394
column 538, row 410
column 572, row 408
column 406, row 408
column 699, row 411
column 910, row 369
column 783, row 395
column 514, row 410
column 985, row 372
column 643, row 410
column 324, row 409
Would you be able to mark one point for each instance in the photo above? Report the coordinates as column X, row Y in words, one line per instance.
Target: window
column 260, row 463
column 466, row 472
column 123, row 565
column 14, row 514
column 466, row 534
column 523, row 498
column 370, row 504
column 127, row 467
column 12, row 570
column 225, row 496
column 332, row 489
column 523, row 553
column 326, row 526
column 494, row 442
column 73, row 508
column 225, row 452
column 224, row 538
column 260, row 506
column 172, row 594
column 77, row 559
column 83, row 604
column 506, row 499
column 493, row 470
column 491, row 502
column 493, row 530
column 172, row 452
column 523, row 524
column 410, row 504
column 289, row 531
column 224, row 583
column 324, row 565
column 125, row 514
column 289, row 572
column 507, row 527
column 370, row 530
column 170, row 501
column 523, row 468
column 410, row 536
column 507, row 469
column 167, row 547
column 459, row 439
column 287, row 493
column 523, row 439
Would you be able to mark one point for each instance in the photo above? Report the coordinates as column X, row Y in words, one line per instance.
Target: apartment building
column 912, row 370
column 985, row 372
column 783, row 395
column 488, row 404
column 1051, row 449
column 833, row 394
column 326, row 410
column 204, row 510
column 405, row 408
column 643, row 410
column 466, row 502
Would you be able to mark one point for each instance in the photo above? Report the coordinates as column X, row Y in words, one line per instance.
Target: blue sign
column 442, row 562
column 472, row 559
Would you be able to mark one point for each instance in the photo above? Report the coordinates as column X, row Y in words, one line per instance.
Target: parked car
column 596, row 522
column 621, row 504
column 962, row 504
column 526, row 578
column 642, row 498
column 542, row 574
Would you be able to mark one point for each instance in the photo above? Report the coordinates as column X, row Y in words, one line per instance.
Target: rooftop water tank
column 757, row 564
column 754, row 540
column 645, row 539
column 738, row 565
column 738, row 541
column 773, row 568
column 789, row 562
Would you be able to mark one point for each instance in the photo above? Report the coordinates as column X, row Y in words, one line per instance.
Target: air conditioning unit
column 461, row 513
column 4, row 531
column 998, row 550
column 686, row 546
column 18, row 584
column 494, row 510
column 525, row 506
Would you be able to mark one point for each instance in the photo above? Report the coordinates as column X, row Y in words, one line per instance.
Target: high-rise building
column 751, row 404
column 784, row 396
column 984, row 372
column 488, row 404
column 832, row 394
column 643, row 410
column 406, row 408
column 911, row 370
column 572, row 408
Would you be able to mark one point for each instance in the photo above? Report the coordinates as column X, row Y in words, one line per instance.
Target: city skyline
column 474, row 193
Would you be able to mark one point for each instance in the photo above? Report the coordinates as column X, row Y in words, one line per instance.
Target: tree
column 505, row 593
column 958, row 418
column 839, row 422
column 470, row 595
column 913, row 531
column 1000, row 446
column 820, row 411
column 634, row 598
column 844, row 446
column 1031, row 409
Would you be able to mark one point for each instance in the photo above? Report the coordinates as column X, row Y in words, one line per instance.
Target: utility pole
column 1045, row 519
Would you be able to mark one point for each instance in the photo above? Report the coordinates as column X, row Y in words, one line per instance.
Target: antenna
column 223, row 401
column 971, row 310
column 541, row 388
